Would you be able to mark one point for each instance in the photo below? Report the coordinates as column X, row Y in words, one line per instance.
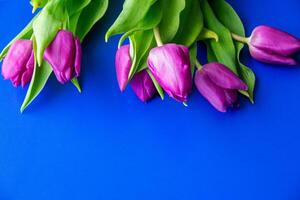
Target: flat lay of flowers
column 157, row 54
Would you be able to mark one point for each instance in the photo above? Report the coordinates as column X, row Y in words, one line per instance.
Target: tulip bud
column 19, row 63
column 170, row 66
column 143, row 86
column 273, row 46
column 123, row 64
column 64, row 55
column 219, row 85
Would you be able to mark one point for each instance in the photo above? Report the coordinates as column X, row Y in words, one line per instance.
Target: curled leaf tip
column 35, row 6
column 22, row 109
column 208, row 34
column 76, row 84
column 107, row 35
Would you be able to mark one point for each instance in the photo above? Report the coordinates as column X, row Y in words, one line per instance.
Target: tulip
column 219, row 85
column 273, row 46
column 19, row 63
column 141, row 82
column 143, row 86
column 123, row 64
column 64, row 55
column 170, row 66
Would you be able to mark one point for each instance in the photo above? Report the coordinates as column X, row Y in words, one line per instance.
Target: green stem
column 157, row 36
column 240, row 38
column 198, row 65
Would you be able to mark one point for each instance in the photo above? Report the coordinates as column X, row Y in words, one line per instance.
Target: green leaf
column 76, row 84
column 224, row 50
column 133, row 12
column 73, row 21
column 142, row 39
column 151, row 20
column 47, row 24
column 210, row 54
column 207, row 34
column 39, row 78
column 141, row 42
column 247, row 75
column 89, row 16
column 74, row 6
column 26, row 33
column 157, row 86
column 171, row 18
column 193, row 56
column 229, row 18
column 191, row 23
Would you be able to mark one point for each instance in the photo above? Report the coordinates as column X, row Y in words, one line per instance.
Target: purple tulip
column 141, row 82
column 143, row 86
column 170, row 66
column 273, row 46
column 19, row 63
column 123, row 64
column 64, row 55
column 219, row 85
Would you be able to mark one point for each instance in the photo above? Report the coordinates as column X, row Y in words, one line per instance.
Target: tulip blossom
column 271, row 45
column 143, row 86
column 19, row 63
column 219, row 85
column 123, row 64
column 170, row 66
column 64, row 55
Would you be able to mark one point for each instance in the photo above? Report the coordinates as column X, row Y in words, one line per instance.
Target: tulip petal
column 61, row 55
column 274, row 41
column 78, row 57
column 266, row 57
column 123, row 65
column 68, row 74
column 16, row 80
column 143, row 86
column 170, row 66
column 210, row 91
column 224, row 77
column 27, row 75
column 231, row 97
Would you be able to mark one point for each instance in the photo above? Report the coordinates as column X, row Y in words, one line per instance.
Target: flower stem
column 198, row 65
column 157, row 36
column 240, row 38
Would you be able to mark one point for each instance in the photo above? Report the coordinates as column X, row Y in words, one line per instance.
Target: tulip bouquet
column 162, row 51
column 161, row 56
column 51, row 42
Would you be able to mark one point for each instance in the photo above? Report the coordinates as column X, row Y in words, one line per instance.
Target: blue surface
column 102, row 144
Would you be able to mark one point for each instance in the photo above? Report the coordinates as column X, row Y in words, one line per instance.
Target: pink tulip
column 141, row 82
column 123, row 64
column 274, row 46
column 18, row 64
column 170, row 66
column 219, row 85
column 143, row 86
column 64, row 55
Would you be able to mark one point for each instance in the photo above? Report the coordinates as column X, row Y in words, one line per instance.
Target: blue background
column 102, row 144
